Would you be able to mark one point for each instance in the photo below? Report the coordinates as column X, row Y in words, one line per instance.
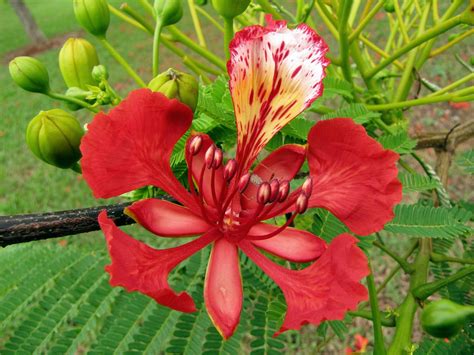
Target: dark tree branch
column 451, row 138
column 30, row 227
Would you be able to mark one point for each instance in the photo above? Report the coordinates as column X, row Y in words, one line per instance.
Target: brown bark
column 29, row 24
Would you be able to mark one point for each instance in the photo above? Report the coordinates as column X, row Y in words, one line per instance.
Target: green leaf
column 358, row 112
column 399, row 142
column 426, row 221
column 417, row 182
column 466, row 161
column 336, row 86
column 327, row 226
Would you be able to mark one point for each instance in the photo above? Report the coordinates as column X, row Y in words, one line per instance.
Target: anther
column 301, row 204
column 195, row 145
column 274, row 190
column 230, row 169
column 244, row 182
column 217, row 158
column 263, row 193
column 283, row 191
column 209, row 156
column 307, row 187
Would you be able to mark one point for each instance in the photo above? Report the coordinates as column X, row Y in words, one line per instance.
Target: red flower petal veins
column 325, row 290
column 275, row 73
column 354, row 177
column 130, row 147
column 138, row 267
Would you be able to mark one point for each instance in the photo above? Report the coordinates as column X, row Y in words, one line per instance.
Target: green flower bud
column 54, row 137
column 76, row 93
column 444, row 318
column 93, row 16
column 174, row 84
column 230, row 8
column 76, row 60
column 389, row 6
column 29, row 74
column 168, row 11
column 99, row 73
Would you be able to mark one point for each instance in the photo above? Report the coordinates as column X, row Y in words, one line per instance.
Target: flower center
column 222, row 203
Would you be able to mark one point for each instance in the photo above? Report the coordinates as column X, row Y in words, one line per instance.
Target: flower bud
column 174, row 84
column 77, row 58
column 93, row 16
column 230, row 8
column 209, row 156
column 54, row 137
column 230, row 169
column 195, row 145
column 274, row 190
column 389, row 6
column 284, row 190
column 29, row 74
column 301, row 204
column 307, row 187
column 168, row 12
column 263, row 193
column 99, row 73
column 244, row 182
column 217, row 158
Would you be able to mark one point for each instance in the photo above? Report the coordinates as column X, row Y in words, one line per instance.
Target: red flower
column 275, row 73
column 360, row 345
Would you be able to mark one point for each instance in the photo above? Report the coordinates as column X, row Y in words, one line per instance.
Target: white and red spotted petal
column 275, row 73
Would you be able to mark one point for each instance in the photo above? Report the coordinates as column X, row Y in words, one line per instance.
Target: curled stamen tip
column 209, row 156
column 230, row 169
column 307, row 187
column 217, row 158
column 195, row 145
column 263, row 193
column 301, row 203
column 274, row 190
column 283, row 191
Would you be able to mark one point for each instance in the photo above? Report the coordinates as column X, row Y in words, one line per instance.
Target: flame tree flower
column 275, row 73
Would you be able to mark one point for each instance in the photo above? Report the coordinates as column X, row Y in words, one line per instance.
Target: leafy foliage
column 358, row 112
column 426, row 221
column 466, row 161
column 416, row 182
column 399, row 142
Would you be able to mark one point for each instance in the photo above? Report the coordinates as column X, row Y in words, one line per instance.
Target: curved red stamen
column 275, row 232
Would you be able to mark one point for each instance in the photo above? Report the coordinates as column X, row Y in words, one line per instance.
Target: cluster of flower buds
column 174, row 84
column 54, row 137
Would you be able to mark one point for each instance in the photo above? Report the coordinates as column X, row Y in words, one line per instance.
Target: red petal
column 275, row 73
column 292, row 244
column 138, row 267
column 223, row 288
column 130, row 147
column 166, row 219
column 353, row 176
column 198, row 164
column 282, row 164
column 325, row 290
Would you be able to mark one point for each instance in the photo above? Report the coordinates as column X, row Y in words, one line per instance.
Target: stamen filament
column 275, row 232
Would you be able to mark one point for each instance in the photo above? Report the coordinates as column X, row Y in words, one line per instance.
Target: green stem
column 73, row 100
column 402, row 262
column 136, row 16
column 404, row 329
column 355, row 34
column 385, row 319
column 196, row 23
column 192, row 65
column 228, row 35
column 188, row 42
column 379, row 347
column 269, row 9
column 448, row 45
column 147, row 6
column 156, row 47
column 122, row 62
column 423, row 291
column 425, row 100
column 128, row 19
column 210, row 18
column 327, row 19
column 440, row 258
column 427, row 35
column 345, row 11
column 453, row 85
